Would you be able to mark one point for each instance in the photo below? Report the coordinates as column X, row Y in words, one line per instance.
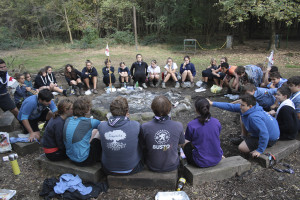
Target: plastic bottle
column 137, row 84
column 181, row 183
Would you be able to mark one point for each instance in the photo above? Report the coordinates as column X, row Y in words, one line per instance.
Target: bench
column 89, row 174
column 144, row 180
column 24, row 148
column 280, row 150
column 227, row 168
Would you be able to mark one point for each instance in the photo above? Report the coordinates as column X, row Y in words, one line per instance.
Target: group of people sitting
column 123, row 146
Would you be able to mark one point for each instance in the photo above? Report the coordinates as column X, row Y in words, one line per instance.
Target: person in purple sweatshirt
column 263, row 127
column 203, row 148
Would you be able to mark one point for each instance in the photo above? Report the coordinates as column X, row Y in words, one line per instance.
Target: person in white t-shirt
column 153, row 74
column 170, row 72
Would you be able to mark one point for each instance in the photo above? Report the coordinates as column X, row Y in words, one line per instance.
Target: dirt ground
column 258, row 183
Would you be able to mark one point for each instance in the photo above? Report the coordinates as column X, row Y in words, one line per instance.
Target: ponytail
column 202, row 107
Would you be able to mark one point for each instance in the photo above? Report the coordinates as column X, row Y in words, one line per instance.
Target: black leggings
column 188, row 151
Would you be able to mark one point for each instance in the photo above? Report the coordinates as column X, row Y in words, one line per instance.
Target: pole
column 135, row 31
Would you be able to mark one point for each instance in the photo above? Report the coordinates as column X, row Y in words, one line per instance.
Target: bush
column 123, row 37
column 8, row 39
column 153, row 39
column 89, row 35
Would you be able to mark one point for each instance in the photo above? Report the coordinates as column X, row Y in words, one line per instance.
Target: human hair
column 121, row 63
column 153, row 61
column 202, row 107
column 275, row 75
column 71, row 74
column 225, row 65
column 186, row 57
column 225, row 58
column 81, row 106
column 249, row 87
column 248, row 99
column 138, row 55
column 274, row 69
column 18, row 76
column 88, row 61
column 45, row 95
column 295, row 80
column 161, row 106
column 212, row 60
column 240, row 70
column 42, row 71
column 169, row 59
column 63, row 106
column 119, row 106
column 2, row 61
column 107, row 61
column 48, row 67
column 285, row 90
column 26, row 73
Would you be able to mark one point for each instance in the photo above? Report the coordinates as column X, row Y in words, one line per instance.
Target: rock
column 147, row 116
column 135, row 117
column 100, row 113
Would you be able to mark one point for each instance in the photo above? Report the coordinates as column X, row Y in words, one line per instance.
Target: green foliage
column 8, row 39
column 89, row 35
column 123, row 37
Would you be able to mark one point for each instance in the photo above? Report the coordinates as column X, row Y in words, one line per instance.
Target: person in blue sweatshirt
column 262, row 126
column 121, row 147
column 187, row 71
column 264, row 96
column 22, row 91
column 80, row 135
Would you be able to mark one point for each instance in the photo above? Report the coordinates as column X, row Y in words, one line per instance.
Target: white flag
column 107, row 50
column 271, row 59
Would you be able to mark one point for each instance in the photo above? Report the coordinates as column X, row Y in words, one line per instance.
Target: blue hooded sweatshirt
column 265, row 97
column 257, row 122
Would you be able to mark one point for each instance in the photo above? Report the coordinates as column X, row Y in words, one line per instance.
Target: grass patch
column 292, row 66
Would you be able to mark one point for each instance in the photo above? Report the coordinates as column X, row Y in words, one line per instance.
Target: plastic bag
column 7, row 194
column 215, row 89
column 5, row 145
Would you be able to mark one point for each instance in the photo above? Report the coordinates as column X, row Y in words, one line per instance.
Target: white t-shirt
column 153, row 70
column 174, row 66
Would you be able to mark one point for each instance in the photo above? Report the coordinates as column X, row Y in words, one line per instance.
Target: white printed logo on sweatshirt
column 161, row 137
column 115, row 136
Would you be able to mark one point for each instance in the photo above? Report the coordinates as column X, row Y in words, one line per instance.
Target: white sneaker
column 144, row 85
column 88, row 92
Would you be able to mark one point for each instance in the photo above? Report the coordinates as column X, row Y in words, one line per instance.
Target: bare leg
column 174, row 77
column 167, row 77
column 190, row 75
column 183, row 75
column 94, row 82
column 243, row 147
column 244, row 131
column 87, row 82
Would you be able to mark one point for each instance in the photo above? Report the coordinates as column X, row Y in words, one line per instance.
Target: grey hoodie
column 120, row 144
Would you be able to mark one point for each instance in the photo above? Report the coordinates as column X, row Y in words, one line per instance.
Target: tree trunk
column 272, row 36
column 41, row 31
column 67, row 23
column 241, row 33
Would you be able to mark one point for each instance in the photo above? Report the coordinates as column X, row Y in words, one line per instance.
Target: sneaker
column 177, row 85
column 163, row 85
column 88, row 92
column 151, row 84
column 204, row 85
column 237, row 140
column 95, row 91
column 144, row 85
column 183, row 85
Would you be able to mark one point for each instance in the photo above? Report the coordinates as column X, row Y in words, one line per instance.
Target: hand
column 210, row 102
column 218, row 75
column 255, row 154
column 237, row 101
column 33, row 136
column 28, row 89
column 272, row 112
column 86, row 73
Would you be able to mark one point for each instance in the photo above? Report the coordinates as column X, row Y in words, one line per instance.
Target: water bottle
column 181, row 183
column 137, row 84
column 12, row 158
